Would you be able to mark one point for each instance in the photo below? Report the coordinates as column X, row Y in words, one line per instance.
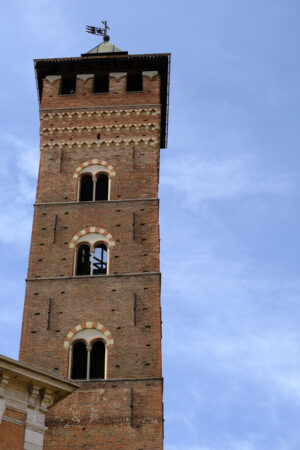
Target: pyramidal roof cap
column 105, row 47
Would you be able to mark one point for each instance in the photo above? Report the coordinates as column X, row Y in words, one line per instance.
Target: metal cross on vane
column 100, row 31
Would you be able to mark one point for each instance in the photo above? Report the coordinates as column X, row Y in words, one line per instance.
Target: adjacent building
column 26, row 395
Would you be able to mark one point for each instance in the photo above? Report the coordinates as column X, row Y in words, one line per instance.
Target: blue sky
column 229, row 201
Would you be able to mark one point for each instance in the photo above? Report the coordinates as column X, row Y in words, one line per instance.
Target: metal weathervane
column 99, row 31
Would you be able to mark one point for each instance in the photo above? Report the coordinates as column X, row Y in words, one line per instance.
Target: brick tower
column 92, row 306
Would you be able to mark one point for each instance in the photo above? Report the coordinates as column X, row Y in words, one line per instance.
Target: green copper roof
column 105, row 47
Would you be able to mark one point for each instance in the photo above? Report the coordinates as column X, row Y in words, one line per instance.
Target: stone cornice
column 25, row 373
column 100, row 202
column 95, row 277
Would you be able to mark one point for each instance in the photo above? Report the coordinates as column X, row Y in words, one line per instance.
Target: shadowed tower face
column 92, row 306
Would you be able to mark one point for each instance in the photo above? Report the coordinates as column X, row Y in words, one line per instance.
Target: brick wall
column 109, row 415
column 107, row 300
column 11, row 433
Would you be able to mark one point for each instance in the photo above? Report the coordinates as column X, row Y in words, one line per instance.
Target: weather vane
column 100, row 31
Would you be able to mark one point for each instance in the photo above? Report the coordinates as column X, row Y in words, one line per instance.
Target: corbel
column 34, row 393
column 3, row 383
column 47, row 399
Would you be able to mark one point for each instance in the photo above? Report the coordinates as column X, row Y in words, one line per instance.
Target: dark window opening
column 68, row 85
column 100, row 260
column 84, row 260
column 97, row 363
column 98, row 136
column 134, row 82
column 86, row 188
column 79, row 362
column 102, row 187
column 101, row 84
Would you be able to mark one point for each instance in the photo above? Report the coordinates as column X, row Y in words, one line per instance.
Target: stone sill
column 114, row 380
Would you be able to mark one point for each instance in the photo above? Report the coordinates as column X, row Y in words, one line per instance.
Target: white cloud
column 18, row 178
column 25, row 154
column 47, row 22
column 43, row 16
column 230, row 178
column 228, row 443
column 233, row 325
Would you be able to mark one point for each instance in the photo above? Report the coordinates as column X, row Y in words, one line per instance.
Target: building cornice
column 99, row 202
column 96, row 277
column 28, row 373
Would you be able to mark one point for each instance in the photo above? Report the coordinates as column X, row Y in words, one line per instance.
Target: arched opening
column 100, row 259
column 83, row 260
column 79, row 361
column 102, row 187
column 86, row 188
column 97, row 360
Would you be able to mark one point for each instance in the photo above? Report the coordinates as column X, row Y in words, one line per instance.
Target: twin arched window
column 91, row 261
column 88, row 360
column 93, row 188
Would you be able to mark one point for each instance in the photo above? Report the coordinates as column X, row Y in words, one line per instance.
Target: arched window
column 93, row 187
column 91, row 260
column 83, row 260
column 86, row 188
column 88, row 360
column 100, row 259
column 97, row 363
column 79, row 361
column 102, row 187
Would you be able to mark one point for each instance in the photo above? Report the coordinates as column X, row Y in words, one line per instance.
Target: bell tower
column 92, row 305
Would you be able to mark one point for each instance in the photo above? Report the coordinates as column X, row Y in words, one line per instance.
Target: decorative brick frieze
column 89, row 325
column 92, row 162
column 104, row 234
column 108, row 128
column 99, row 113
column 103, row 143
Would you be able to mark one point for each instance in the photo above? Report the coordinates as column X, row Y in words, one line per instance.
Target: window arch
column 91, row 259
column 88, row 345
column 88, row 360
column 94, row 178
column 93, row 187
column 91, row 256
